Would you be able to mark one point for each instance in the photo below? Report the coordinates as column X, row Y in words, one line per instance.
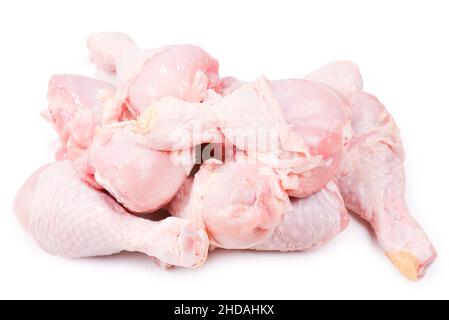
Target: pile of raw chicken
column 261, row 165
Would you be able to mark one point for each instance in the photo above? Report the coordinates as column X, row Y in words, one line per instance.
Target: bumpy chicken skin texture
column 305, row 224
column 372, row 181
column 372, row 175
column 70, row 219
column 320, row 140
column 310, row 223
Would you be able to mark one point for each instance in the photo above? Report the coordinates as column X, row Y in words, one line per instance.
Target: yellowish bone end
column 406, row 263
column 145, row 121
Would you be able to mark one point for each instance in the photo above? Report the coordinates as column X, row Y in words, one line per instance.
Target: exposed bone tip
column 406, row 263
column 145, row 121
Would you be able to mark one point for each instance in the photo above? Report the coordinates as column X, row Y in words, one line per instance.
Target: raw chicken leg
column 372, row 181
column 142, row 179
column 75, row 107
column 310, row 223
column 144, row 76
column 239, row 205
column 320, row 140
column 372, row 178
column 299, row 128
column 320, row 117
column 70, row 219
column 172, row 124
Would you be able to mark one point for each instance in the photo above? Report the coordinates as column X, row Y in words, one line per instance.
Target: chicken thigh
column 68, row 218
column 144, row 76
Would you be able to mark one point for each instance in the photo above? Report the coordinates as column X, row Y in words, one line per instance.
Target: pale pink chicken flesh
column 320, row 116
column 310, row 223
column 144, row 76
column 372, row 181
column 239, row 205
column 68, row 218
column 299, row 128
column 320, row 140
column 372, row 175
column 75, row 107
column 142, row 179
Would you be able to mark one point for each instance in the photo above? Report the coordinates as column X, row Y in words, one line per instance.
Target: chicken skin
column 75, row 109
column 70, row 219
column 266, row 165
column 298, row 127
column 372, row 175
column 310, row 223
column 372, row 181
column 141, row 179
column 239, row 205
column 144, row 76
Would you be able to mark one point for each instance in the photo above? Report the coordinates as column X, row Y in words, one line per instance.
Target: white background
column 402, row 48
